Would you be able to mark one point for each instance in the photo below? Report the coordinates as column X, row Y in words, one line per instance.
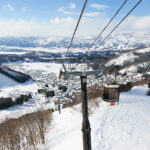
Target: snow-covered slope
column 145, row 50
column 127, row 57
column 138, row 57
column 122, row 127
column 8, row 86
column 6, row 82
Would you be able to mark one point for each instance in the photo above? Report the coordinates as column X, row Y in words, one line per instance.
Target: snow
column 64, row 133
column 48, row 67
column 122, row 59
column 5, row 81
column 132, row 69
column 128, row 57
column 12, row 53
column 122, row 127
column 55, row 45
column 9, row 86
column 37, row 102
column 36, row 66
column 111, row 86
column 28, row 86
column 26, row 50
column 144, row 50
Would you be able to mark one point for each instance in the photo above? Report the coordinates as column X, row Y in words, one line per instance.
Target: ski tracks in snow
column 122, row 127
column 65, row 133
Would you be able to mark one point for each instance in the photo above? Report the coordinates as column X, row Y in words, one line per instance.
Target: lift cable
column 81, row 14
column 118, row 23
column 139, row 1
column 107, row 25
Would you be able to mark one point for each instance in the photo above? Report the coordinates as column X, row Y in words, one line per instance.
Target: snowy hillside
column 122, row 127
column 8, row 86
column 135, row 61
column 5, row 81
column 41, row 49
column 129, row 57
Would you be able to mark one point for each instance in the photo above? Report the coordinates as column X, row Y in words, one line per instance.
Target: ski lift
column 111, row 94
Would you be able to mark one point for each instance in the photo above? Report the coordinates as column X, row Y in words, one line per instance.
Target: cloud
column 140, row 22
column 55, row 27
column 58, row 20
column 70, row 13
column 72, row 5
column 9, row 7
column 92, row 14
column 89, row 26
column 61, row 9
column 24, row 9
column 99, row 6
column 136, row 24
column 88, row 14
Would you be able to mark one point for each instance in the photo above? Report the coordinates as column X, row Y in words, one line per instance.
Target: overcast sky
column 59, row 17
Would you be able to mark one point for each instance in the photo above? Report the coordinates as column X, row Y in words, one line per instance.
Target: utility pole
column 86, row 129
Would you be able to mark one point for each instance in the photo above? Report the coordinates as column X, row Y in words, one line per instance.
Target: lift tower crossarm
column 78, row 73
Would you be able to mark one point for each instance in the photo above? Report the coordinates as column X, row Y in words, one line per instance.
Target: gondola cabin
column 111, row 94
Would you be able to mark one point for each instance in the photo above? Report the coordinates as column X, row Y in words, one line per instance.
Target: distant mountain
column 54, row 47
column 119, row 41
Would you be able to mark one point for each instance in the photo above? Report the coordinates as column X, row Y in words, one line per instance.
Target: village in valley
column 42, row 80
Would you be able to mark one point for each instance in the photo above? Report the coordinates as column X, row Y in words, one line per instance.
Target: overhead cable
column 119, row 23
column 107, row 25
column 81, row 14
